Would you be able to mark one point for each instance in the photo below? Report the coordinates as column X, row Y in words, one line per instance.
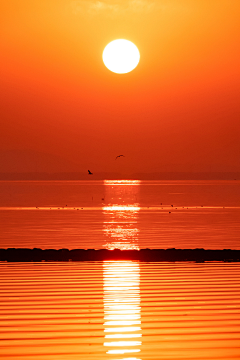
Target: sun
column 121, row 56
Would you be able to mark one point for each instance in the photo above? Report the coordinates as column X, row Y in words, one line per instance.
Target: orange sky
column 179, row 110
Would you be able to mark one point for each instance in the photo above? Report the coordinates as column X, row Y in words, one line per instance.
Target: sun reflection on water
column 120, row 212
column 122, row 309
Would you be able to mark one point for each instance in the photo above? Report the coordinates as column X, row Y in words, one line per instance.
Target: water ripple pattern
column 120, row 311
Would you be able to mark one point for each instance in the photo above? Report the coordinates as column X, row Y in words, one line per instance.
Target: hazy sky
column 179, row 110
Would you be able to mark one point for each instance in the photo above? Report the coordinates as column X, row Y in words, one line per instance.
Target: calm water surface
column 121, row 214
column 122, row 310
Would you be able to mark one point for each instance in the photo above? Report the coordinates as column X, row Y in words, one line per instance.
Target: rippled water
column 123, row 214
column 120, row 310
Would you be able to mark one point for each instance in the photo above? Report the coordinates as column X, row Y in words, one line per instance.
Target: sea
column 120, row 310
column 125, row 214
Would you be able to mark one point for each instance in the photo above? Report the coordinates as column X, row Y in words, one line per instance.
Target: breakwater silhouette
column 154, row 255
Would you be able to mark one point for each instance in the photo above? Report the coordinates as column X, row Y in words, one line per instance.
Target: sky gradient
column 179, row 110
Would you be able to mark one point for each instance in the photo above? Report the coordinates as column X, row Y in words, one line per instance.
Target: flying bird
column 89, row 172
column 119, row 156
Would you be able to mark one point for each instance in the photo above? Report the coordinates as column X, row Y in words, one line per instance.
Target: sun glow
column 121, row 56
column 121, row 214
column 121, row 285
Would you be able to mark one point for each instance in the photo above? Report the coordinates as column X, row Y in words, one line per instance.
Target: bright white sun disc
column 121, row 56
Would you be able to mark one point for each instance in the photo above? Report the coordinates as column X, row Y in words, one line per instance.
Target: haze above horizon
column 63, row 111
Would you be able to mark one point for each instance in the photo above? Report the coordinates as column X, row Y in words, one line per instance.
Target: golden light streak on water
column 122, row 308
column 86, row 214
column 67, row 311
column 121, row 213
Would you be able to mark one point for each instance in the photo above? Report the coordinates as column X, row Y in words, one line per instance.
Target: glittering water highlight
column 123, row 214
column 120, row 310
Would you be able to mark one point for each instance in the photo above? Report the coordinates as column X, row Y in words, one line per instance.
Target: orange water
column 127, row 214
column 120, row 310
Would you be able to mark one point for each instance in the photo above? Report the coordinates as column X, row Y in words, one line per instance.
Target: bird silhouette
column 89, row 172
column 119, row 156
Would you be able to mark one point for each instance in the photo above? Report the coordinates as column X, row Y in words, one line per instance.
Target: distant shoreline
column 146, row 255
column 73, row 176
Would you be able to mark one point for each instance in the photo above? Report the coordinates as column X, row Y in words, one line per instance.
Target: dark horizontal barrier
column 198, row 255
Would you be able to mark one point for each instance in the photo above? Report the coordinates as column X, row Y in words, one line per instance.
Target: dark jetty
column 197, row 255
